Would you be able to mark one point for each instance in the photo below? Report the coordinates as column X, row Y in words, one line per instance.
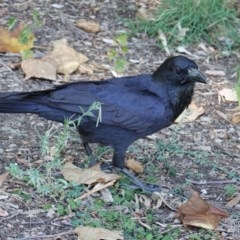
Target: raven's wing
column 127, row 102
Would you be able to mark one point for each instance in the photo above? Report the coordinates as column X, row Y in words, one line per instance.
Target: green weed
column 202, row 20
column 26, row 35
column 42, row 178
column 230, row 190
column 118, row 54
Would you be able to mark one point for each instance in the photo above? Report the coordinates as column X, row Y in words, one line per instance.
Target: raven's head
column 179, row 70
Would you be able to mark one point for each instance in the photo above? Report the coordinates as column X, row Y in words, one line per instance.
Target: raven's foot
column 146, row 187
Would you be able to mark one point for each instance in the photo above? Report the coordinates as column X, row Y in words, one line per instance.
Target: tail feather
column 17, row 103
column 32, row 102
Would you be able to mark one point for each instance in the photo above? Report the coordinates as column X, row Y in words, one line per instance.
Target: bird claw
column 138, row 184
column 105, row 167
column 146, row 187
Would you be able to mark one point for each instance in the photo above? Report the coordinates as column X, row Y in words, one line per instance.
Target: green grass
column 123, row 213
column 230, row 190
column 206, row 21
column 52, row 143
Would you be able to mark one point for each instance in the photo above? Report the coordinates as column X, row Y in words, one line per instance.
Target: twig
column 169, row 229
column 10, row 70
column 225, row 151
column 11, row 216
column 224, row 116
column 205, row 182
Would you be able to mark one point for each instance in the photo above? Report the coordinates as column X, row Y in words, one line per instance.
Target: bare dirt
column 210, row 133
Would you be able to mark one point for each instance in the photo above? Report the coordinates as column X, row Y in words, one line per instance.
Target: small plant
column 188, row 21
column 42, row 178
column 118, row 54
column 230, row 190
column 203, row 235
column 25, row 32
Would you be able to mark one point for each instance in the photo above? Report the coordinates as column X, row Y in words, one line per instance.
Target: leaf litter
column 142, row 66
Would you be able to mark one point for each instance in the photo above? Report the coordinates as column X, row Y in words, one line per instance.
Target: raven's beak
column 196, row 76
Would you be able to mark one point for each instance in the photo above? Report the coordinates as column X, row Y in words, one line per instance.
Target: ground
column 204, row 154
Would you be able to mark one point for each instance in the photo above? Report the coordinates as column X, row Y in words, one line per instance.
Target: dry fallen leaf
column 157, row 196
column 9, row 41
column 85, row 69
column 87, row 176
column 236, row 118
column 91, row 233
column 88, row 26
column 135, row 166
column 3, row 177
column 67, row 58
column 234, row 201
column 3, row 213
column 40, row 68
column 98, row 187
column 63, row 59
column 190, row 114
column 227, row 94
column 197, row 212
column 144, row 200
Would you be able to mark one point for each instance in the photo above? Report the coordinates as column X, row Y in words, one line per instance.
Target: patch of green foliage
column 204, row 20
column 203, row 235
column 230, row 190
column 120, row 215
column 118, row 54
column 26, row 34
column 42, row 178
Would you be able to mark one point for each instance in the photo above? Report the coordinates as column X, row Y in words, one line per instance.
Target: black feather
column 132, row 107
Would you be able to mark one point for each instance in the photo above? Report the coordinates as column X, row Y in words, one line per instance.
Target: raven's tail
column 33, row 102
column 17, row 102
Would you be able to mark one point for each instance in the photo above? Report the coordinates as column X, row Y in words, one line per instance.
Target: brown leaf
column 3, row 213
column 85, row 69
column 63, row 59
column 3, row 177
column 234, row 201
column 86, row 176
column 227, row 94
column 67, row 58
column 98, row 187
column 135, row 166
column 40, row 68
column 91, row 233
column 9, row 41
column 88, row 26
column 190, row 114
column 236, row 118
column 197, row 212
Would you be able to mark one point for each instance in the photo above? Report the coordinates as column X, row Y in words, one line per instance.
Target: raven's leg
column 87, row 149
column 92, row 160
column 119, row 163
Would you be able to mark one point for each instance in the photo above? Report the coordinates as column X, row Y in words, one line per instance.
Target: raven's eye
column 177, row 70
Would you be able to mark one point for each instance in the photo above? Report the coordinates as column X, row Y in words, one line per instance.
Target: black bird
column 131, row 107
